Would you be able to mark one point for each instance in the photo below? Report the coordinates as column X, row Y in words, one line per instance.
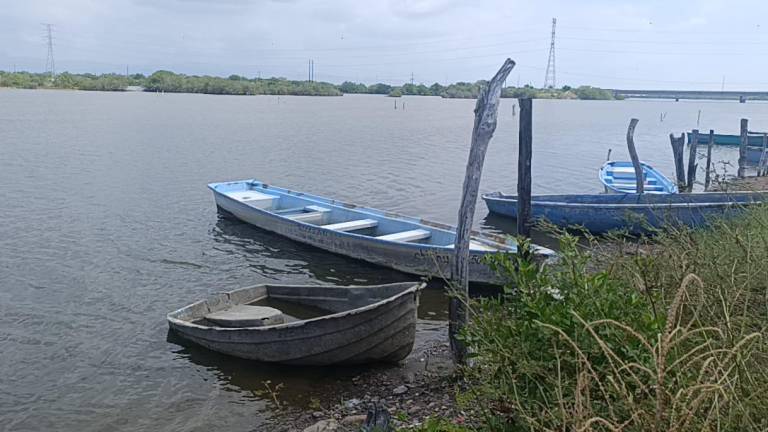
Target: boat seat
column 312, row 214
column 254, row 199
column 246, row 316
column 406, row 236
column 476, row 245
column 288, row 210
column 352, row 225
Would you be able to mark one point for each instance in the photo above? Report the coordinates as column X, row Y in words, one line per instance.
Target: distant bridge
column 741, row 96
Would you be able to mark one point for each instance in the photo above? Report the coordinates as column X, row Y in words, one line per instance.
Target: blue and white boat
column 619, row 177
column 404, row 243
column 636, row 213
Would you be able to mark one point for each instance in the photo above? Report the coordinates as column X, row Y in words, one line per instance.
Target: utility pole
column 549, row 77
column 411, row 78
column 50, row 67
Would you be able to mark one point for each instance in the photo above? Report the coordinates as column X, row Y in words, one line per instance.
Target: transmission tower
column 50, row 66
column 549, row 76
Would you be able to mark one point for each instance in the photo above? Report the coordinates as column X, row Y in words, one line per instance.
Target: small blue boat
column 637, row 213
column 619, row 177
column 727, row 140
column 404, row 243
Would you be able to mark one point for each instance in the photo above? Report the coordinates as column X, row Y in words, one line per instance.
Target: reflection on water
column 259, row 248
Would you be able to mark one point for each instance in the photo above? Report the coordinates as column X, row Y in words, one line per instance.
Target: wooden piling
column 525, row 146
column 692, row 161
column 486, row 110
column 709, row 159
column 639, row 173
column 678, row 144
column 743, row 148
column 761, row 167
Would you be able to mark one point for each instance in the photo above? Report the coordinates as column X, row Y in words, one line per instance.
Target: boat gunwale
column 498, row 241
column 498, row 196
column 415, row 288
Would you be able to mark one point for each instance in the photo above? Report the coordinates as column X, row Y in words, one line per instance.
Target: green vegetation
column 165, row 81
column 652, row 334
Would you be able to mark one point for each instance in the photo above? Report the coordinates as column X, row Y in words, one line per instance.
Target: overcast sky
column 607, row 43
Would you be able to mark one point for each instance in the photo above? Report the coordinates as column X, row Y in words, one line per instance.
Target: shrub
column 640, row 344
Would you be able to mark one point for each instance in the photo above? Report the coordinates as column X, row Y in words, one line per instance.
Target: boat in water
column 305, row 324
column 408, row 244
column 636, row 213
column 619, row 177
column 753, row 140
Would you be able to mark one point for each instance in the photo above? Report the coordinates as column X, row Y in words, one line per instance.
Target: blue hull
column 727, row 140
column 619, row 177
column 633, row 212
column 378, row 237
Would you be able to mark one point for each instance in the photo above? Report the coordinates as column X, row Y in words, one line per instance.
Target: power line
column 50, row 67
column 549, row 76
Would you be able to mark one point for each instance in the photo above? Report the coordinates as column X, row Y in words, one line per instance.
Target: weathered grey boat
column 363, row 324
column 400, row 242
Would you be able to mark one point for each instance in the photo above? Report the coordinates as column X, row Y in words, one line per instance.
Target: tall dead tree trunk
column 486, row 111
column 678, row 145
column 639, row 173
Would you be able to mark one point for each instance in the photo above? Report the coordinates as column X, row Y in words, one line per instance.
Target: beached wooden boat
column 619, row 177
column 400, row 242
column 727, row 140
column 636, row 213
column 340, row 325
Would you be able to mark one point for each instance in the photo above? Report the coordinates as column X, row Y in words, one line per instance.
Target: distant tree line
column 165, row 81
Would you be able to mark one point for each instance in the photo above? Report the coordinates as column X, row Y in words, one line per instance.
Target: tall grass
column 662, row 334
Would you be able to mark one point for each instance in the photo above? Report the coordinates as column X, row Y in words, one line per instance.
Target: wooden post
column 709, row 159
column 743, row 148
column 639, row 173
column 692, row 160
column 524, row 167
column 677, row 153
column 763, row 160
column 486, row 111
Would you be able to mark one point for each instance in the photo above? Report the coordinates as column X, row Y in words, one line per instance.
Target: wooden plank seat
column 352, row 225
column 311, row 214
column 246, row 316
column 406, row 236
column 254, row 199
column 476, row 245
column 647, row 185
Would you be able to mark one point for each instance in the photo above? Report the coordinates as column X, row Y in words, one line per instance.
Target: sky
column 649, row 44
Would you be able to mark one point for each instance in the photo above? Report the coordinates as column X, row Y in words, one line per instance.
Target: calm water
column 106, row 225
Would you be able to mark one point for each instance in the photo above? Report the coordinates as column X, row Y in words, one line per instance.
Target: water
column 107, row 226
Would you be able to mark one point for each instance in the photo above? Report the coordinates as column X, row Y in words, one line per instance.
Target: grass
column 656, row 334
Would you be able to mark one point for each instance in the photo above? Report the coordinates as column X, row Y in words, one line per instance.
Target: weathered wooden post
column 709, row 159
column 678, row 144
column 486, row 111
column 743, row 148
column 763, row 156
column 692, row 160
column 524, row 167
column 639, row 173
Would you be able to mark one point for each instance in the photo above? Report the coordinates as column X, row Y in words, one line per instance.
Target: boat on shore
column 340, row 325
column 407, row 244
column 619, row 177
column 727, row 140
column 636, row 213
